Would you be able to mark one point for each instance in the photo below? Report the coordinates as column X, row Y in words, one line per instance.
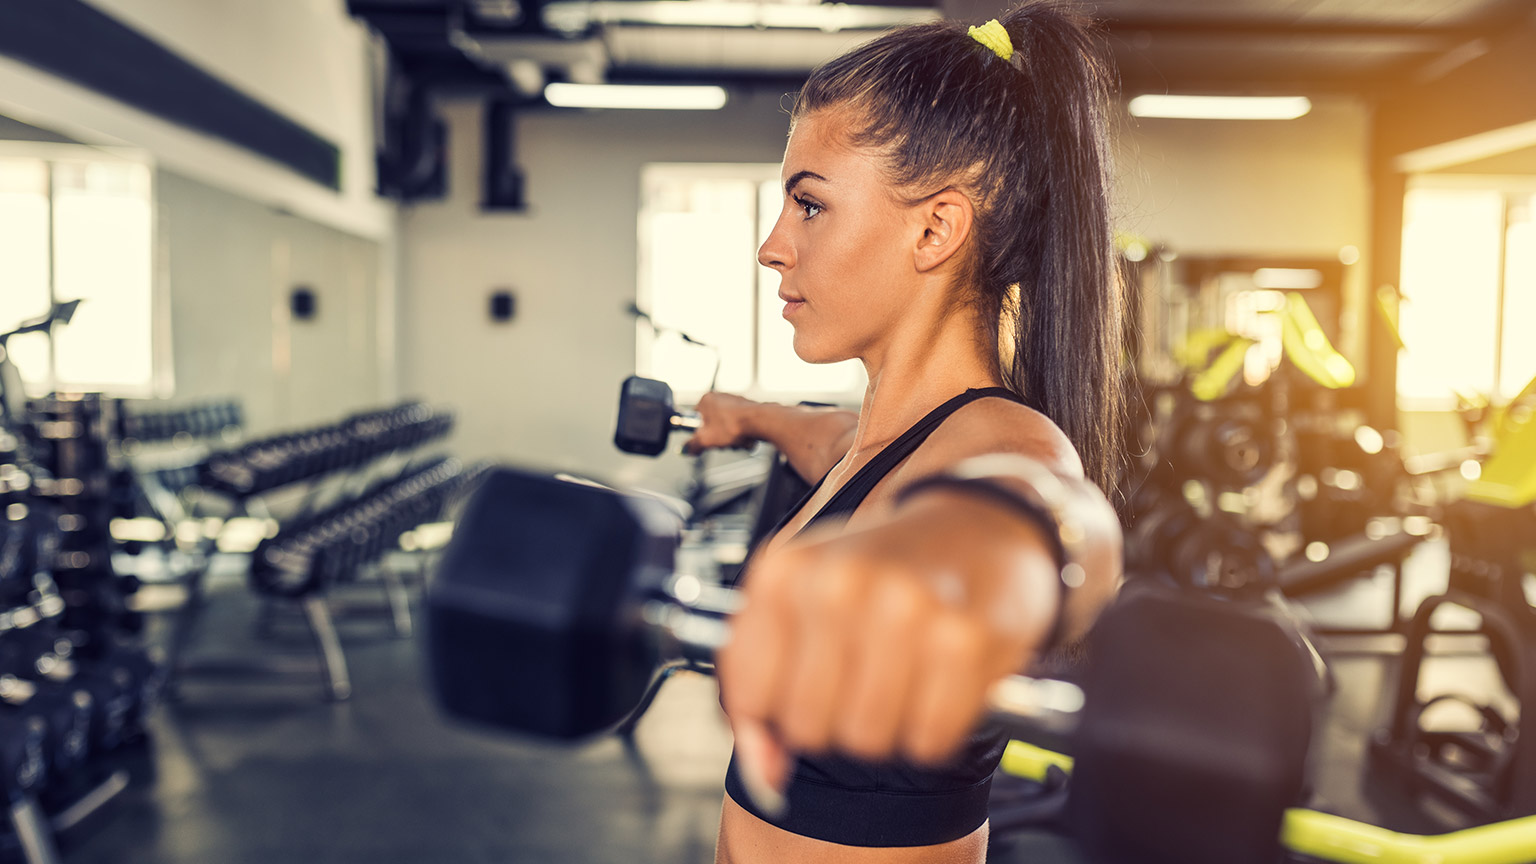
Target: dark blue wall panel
column 80, row 43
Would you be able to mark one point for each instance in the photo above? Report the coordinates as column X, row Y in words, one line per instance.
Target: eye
column 811, row 208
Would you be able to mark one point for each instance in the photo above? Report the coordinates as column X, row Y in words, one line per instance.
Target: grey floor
column 260, row 769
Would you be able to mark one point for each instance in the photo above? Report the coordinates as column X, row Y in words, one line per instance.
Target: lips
column 791, row 303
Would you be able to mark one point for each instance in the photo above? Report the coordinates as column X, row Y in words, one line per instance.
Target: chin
column 819, row 351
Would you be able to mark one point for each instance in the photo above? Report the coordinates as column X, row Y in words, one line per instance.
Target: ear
column 946, row 220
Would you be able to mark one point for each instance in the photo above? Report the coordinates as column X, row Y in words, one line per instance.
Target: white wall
column 1292, row 188
column 543, row 390
column 1224, row 187
column 229, row 266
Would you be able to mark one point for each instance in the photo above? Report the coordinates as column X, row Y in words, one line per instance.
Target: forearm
column 812, row 439
column 1024, row 553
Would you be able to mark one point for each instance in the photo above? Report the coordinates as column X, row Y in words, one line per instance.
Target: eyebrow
column 794, row 180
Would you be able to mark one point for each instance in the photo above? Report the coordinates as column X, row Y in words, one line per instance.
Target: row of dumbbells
column 70, row 697
column 68, row 459
column 269, row 463
column 206, row 420
column 336, row 544
column 67, row 704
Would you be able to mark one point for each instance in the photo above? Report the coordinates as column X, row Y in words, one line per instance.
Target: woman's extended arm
column 812, row 439
column 884, row 640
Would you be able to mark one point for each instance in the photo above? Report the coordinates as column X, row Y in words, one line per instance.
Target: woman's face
column 842, row 243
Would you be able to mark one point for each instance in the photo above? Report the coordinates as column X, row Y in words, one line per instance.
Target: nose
column 776, row 251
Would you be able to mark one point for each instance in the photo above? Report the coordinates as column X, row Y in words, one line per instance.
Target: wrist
column 990, row 527
column 1029, row 494
column 751, row 422
column 995, row 565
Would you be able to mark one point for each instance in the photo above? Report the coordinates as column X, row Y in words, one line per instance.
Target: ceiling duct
column 726, row 51
column 579, row 16
column 554, row 52
column 668, row 37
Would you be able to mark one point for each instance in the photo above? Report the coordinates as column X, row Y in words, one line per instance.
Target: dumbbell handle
column 1020, row 705
column 685, row 421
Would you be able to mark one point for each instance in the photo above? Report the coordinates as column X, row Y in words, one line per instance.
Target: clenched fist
column 883, row 642
column 723, row 423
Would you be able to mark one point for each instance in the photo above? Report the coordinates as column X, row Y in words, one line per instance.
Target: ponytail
column 1067, row 330
column 1027, row 139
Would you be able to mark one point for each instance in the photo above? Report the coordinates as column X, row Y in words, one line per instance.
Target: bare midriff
column 746, row 839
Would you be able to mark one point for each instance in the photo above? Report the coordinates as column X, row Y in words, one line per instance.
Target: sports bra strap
column 857, row 489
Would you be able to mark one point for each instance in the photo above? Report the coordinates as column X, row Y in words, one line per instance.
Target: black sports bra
column 886, row 804
column 864, row 482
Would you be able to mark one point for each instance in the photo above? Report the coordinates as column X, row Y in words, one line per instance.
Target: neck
column 919, row 368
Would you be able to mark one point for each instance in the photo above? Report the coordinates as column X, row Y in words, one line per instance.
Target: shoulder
column 997, row 426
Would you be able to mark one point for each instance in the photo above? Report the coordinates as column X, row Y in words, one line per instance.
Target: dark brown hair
column 1026, row 140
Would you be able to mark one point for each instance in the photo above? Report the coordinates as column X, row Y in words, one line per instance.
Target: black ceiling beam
column 82, row 44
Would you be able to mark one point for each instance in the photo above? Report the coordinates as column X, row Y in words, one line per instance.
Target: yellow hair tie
column 994, row 36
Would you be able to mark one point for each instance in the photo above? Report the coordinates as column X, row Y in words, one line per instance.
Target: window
column 1469, row 289
column 76, row 223
column 700, row 227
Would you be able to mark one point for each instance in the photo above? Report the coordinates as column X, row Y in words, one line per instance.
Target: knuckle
column 899, row 603
column 956, row 640
column 835, row 591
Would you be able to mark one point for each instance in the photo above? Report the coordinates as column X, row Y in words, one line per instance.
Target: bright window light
column 102, row 244
column 697, row 262
column 1518, row 365
column 644, row 96
column 24, row 262
column 700, row 226
column 1450, row 315
column 99, row 251
column 1220, row 107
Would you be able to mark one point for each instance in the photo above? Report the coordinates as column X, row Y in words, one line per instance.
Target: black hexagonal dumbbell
column 647, row 417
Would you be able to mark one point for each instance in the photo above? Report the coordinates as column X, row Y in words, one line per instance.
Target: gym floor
column 260, row 769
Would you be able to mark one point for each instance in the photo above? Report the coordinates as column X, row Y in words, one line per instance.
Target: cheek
column 858, row 269
column 854, row 279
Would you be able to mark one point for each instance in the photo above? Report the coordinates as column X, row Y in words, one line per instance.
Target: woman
column 944, row 221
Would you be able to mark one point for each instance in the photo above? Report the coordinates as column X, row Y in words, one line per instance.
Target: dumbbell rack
column 158, row 451
column 161, row 449
column 34, row 830
column 71, row 683
column 336, row 465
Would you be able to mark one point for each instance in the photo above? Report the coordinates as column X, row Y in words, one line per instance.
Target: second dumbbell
column 648, row 417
